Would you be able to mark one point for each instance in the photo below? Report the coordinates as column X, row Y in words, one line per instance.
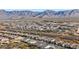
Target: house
column 78, row 30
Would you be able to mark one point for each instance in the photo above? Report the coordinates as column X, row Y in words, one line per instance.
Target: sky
column 39, row 4
column 36, row 10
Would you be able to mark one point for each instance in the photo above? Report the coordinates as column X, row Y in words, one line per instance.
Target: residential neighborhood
column 39, row 34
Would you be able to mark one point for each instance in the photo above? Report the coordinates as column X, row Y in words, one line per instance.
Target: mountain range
column 19, row 14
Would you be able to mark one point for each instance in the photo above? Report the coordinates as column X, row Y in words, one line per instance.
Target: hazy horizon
column 40, row 10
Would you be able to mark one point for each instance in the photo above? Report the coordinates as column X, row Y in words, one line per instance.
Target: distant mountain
column 16, row 14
